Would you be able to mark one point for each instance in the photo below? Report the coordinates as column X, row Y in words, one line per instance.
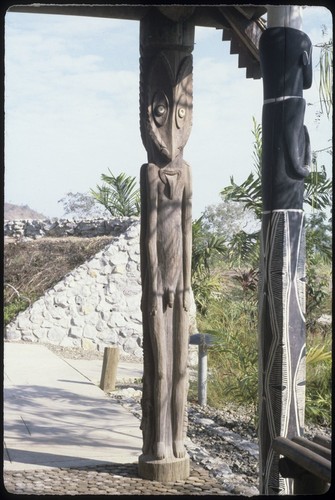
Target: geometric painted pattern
column 282, row 351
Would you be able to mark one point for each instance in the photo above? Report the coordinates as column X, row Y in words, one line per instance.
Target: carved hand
column 187, row 300
column 153, row 304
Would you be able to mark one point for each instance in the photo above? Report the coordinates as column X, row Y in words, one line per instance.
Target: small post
column 202, row 340
column 202, row 374
column 109, row 369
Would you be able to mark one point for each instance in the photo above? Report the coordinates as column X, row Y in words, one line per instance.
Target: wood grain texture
column 166, row 246
column 109, row 369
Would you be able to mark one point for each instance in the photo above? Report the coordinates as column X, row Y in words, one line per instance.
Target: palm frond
column 118, row 195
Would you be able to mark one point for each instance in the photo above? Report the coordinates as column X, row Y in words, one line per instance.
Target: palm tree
column 318, row 187
column 118, row 195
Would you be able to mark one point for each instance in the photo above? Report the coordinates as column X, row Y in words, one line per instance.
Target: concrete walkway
column 64, row 436
column 55, row 415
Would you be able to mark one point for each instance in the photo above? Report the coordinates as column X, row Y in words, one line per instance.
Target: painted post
column 285, row 54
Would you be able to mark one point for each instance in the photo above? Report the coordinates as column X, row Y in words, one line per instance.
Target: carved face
column 169, row 107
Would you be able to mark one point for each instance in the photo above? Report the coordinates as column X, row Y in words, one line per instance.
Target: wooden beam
column 135, row 13
column 311, row 445
column 248, row 31
column 252, row 12
column 307, row 459
column 323, row 441
column 206, row 16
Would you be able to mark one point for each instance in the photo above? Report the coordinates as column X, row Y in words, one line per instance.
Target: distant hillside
column 12, row 212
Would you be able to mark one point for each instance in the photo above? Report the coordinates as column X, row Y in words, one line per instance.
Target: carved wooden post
column 285, row 54
column 166, row 229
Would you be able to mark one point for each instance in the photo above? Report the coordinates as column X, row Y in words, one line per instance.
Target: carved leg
column 147, row 403
column 180, row 378
column 161, row 384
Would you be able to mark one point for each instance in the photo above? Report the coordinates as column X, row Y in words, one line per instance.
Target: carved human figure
column 166, row 246
column 285, row 55
column 286, row 61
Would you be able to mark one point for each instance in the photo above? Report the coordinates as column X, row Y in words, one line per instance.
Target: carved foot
column 160, row 450
column 178, row 449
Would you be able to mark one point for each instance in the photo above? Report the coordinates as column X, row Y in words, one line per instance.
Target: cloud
column 72, row 108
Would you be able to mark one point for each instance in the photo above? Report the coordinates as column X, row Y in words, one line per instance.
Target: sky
column 72, row 108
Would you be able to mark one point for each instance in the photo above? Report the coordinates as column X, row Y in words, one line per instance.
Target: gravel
column 224, row 441
column 89, row 354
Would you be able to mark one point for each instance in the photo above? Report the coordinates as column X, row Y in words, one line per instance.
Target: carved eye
column 160, row 108
column 181, row 111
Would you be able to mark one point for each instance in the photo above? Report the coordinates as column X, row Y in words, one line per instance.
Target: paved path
column 54, row 416
column 64, row 436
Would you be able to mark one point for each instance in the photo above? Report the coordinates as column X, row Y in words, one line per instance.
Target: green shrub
column 12, row 309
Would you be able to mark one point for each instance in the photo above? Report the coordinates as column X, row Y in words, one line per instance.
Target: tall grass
column 233, row 361
column 319, row 378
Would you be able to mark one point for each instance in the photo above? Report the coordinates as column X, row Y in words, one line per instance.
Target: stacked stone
column 34, row 228
column 94, row 306
column 114, row 479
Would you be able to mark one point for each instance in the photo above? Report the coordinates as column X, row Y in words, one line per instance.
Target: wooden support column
column 285, row 54
column 166, row 230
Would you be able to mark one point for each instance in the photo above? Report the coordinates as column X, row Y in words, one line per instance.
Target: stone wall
column 94, row 306
column 34, row 228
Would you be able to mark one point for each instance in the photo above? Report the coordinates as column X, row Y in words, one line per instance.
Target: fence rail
column 307, row 462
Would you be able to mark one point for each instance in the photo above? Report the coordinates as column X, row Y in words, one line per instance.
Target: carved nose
column 174, row 146
column 170, row 145
column 174, row 141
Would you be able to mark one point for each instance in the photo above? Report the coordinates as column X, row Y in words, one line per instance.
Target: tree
column 228, row 218
column 244, row 249
column 81, row 205
column 118, row 195
column 318, row 236
column 205, row 247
